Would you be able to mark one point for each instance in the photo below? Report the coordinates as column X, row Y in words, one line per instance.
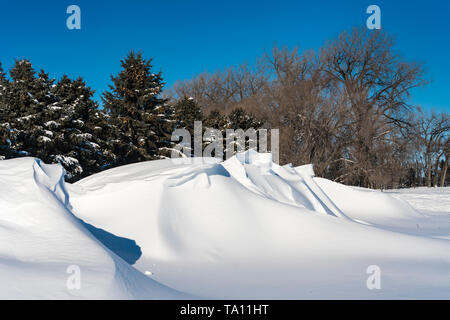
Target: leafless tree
column 433, row 130
column 375, row 84
column 343, row 108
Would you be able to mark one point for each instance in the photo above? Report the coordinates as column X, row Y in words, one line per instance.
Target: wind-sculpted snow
column 243, row 228
column 248, row 228
column 41, row 241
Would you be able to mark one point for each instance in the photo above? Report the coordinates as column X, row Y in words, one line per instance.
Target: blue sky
column 187, row 37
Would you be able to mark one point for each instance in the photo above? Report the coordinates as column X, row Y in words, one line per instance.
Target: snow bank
column 41, row 241
column 243, row 228
column 248, row 228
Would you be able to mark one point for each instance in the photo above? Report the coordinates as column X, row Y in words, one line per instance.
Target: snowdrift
column 42, row 243
column 244, row 228
column 248, row 228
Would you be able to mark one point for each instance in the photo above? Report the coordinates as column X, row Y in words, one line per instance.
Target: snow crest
column 41, row 242
column 249, row 228
column 245, row 228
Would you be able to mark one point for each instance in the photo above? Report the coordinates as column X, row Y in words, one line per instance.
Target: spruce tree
column 23, row 109
column 71, row 135
column 187, row 112
column 216, row 120
column 144, row 121
column 4, row 126
column 240, row 119
column 3, row 85
column 237, row 119
column 58, row 123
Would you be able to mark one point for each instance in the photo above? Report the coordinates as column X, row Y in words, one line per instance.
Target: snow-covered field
column 241, row 229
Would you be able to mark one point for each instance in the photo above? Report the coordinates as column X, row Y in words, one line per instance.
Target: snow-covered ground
column 245, row 228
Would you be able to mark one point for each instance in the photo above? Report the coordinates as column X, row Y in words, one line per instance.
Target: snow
column 49, row 133
column 84, row 136
column 66, row 160
column 44, row 139
column 52, row 124
column 26, row 118
column 40, row 240
column 92, row 145
column 245, row 228
column 55, row 107
column 78, row 122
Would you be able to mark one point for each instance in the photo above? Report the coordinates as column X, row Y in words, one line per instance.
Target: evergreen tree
column 216, row 120
column 240, row 119
column 58, row 123
column 3, row 89
column 187, row 112
column 143, row 120
column 4, row 127
column 71, row 132
column 237, row 119
column 3, row 83
column 23, row 110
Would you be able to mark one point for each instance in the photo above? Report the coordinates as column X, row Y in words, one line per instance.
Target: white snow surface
column 245, row 228
column 41, row 241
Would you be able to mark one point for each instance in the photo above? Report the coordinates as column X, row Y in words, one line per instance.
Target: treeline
column 59, row 122
column 344, row 108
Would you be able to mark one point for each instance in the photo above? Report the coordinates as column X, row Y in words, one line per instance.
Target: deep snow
column 40, row 240
column 243, row 228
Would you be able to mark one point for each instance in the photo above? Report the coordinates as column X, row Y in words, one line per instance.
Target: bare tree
column 445, row 162
column 223, row 90
column 375, row 84
column 344, row 108
column 433, row 131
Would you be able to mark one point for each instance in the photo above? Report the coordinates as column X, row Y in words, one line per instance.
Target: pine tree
column 144, row 121
column 237, row 119
column 58, row 123
column 187, row 112
column 70, row 134
column 240, row 119
column 216, row 120
column 4, row 126
column 23, row 109
column 3, row 84
column 3, row 89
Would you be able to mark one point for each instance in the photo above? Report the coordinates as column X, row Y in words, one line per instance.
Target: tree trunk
column 436, row 170
column 444, row 172
column 429, row 168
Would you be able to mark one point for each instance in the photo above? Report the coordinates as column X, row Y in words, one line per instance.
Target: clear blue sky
column 187, row 37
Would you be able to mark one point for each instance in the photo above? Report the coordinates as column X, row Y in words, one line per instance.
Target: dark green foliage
column 216, row 120
column 71, row 132
column 187, row 112
column 58, row 121
column 54, row 122
column 143, row 120
column 240, row 119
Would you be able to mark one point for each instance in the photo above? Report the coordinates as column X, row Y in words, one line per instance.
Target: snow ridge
column 245, row 228
column 40, row 239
